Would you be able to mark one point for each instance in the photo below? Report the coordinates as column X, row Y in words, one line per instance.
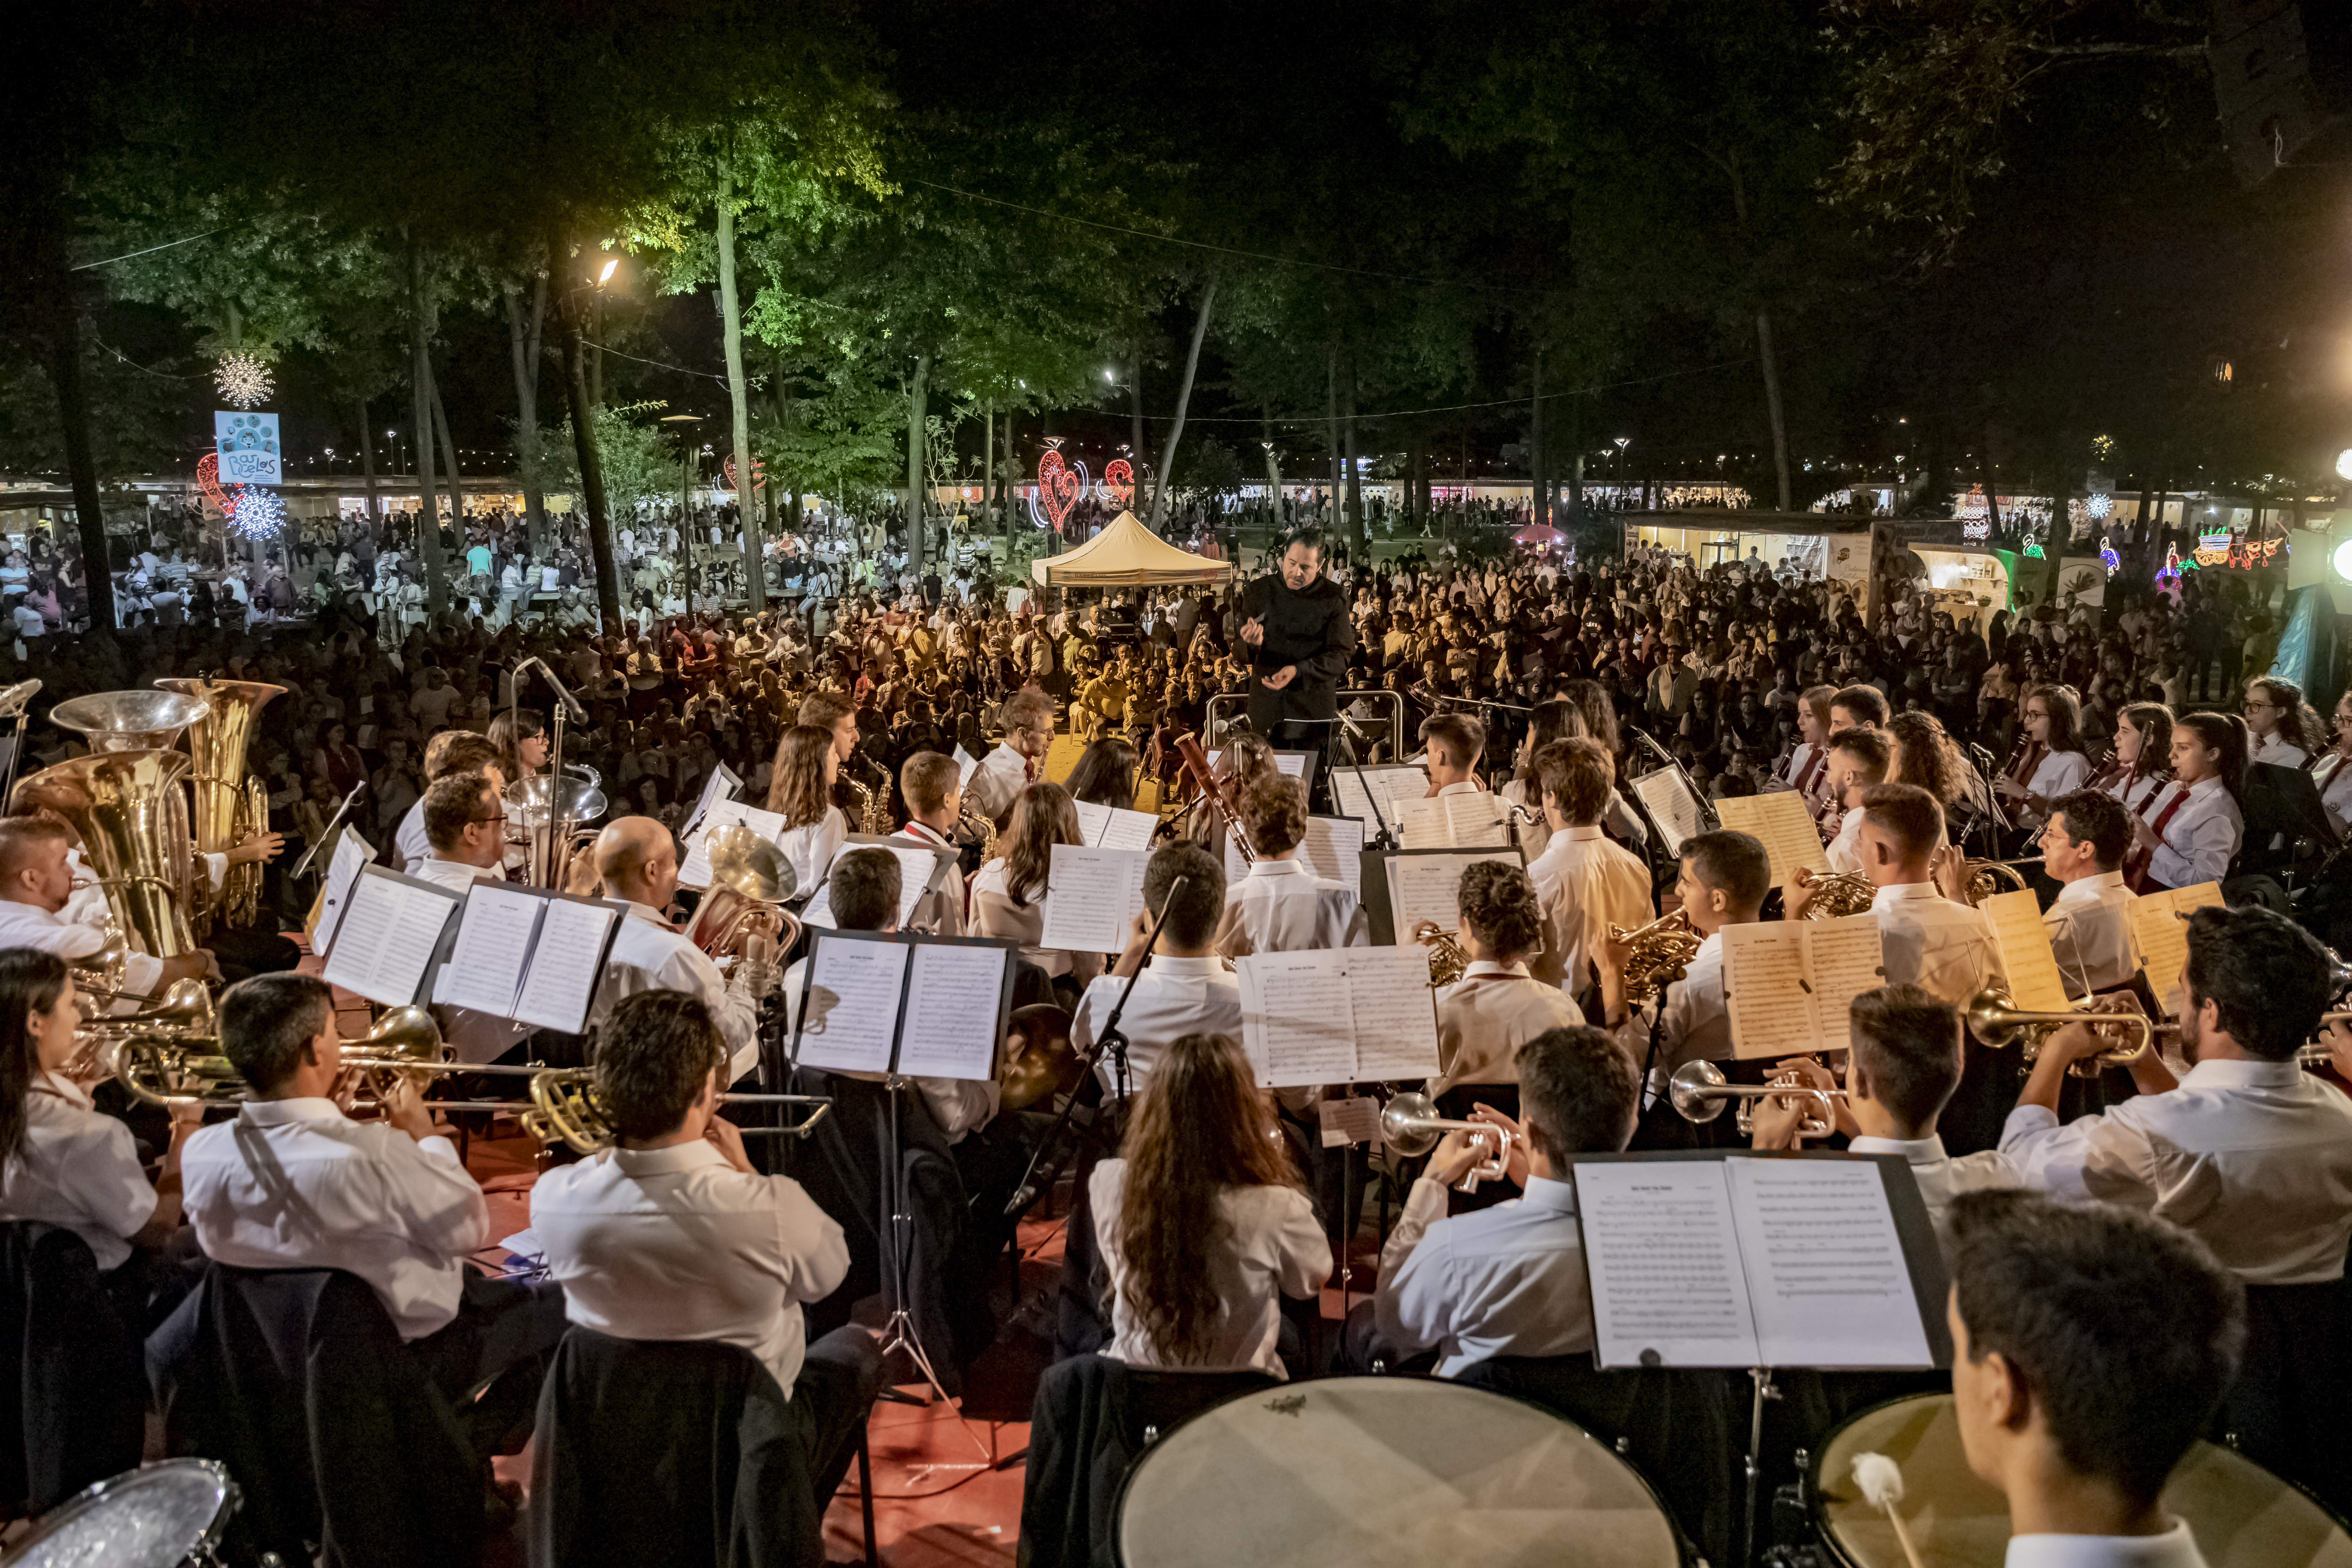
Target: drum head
column 2242, row 1515
column 1367, row 1472
column 158, row 1516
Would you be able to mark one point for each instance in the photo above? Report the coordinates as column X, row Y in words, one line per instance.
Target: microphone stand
column 1706, row 813
column 1112, row 1038
column 343, row 814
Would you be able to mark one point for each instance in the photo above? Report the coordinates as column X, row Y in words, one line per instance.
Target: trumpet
column 1447, row 962
column 1839, row 894
column 1699, row 1092
column 1997, row 1021
column 1409, row 1125
column 566, row 1107
column 1662, row 952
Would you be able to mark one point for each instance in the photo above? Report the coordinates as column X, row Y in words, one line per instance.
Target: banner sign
column 248, row 443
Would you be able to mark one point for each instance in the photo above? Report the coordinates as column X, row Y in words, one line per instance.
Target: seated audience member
column 1201, row 1221
column 1497, row 1006
column 1280, row 905
column 1506, row 1280
column 1186, row 990
column 2090, row 1346
column 671, row 1235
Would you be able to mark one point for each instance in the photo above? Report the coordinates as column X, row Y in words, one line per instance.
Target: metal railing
column 1215, row 727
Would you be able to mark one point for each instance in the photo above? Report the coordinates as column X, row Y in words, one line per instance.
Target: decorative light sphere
column 257, row 514
column 2344, row 464
column 242, row 379
column 2100, row 505
column 2342, row 561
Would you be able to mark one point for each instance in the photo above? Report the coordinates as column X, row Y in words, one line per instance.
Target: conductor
column 1299, row 638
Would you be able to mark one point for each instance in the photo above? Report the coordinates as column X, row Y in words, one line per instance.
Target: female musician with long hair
column 521, row 736
column 1201, row 1220
column 2193, row 834
column 802, row 791
column 1806, row 769
column 1925, row 756
column 2332, row 774
column 1556, row 720
column 2142, row 764
column 2282, row 726
column 2051, row 761
column 64, row 1164
column 1008, row 893
column 1105, row 774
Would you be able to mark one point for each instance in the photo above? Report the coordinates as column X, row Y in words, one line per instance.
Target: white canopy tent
column 1126, row 554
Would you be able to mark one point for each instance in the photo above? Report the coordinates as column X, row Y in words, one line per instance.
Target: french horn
column 1662, row 953
column 1837, row 895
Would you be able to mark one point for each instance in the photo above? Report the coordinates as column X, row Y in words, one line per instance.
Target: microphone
column 1655, row 750
column 572, row 704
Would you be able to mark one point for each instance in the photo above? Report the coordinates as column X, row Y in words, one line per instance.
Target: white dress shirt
column 2137, row 792
column 810, row 849
column 677, row 1244
column 2090, row 928
column 998, row 781
column 1696, row 1026
column 1844, row 851
column 29, row 925
column 2175, row 1548
column 1173, row 998
column 2254, row 1158
column 2274, row 750
column 2333, row 780
column 2058, row 772
column 1932, row 942
column 80, row 1170
column 1506, row 1280
column 295, row 1184
column 455, row 875
column 1267, row 1246
column 939, row 911
column 1486, row 1015
column 2203, row 837
column 1942, row 1178
column 409, row 844
column 1282, row 906
column 649, row 954
column 1584, row 884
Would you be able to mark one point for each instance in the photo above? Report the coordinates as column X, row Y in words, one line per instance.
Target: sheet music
column 1428, row 888
column 1828, row 1285
column 723, row 784
column 965, row 762
column 2164, row 936
column 1767, row 991
column 1290, row 764
column 1296, row 1027
column 1672, row 806
column 1390, row 784
column 565, row 966
column 1847, row 957
column 351, row 855
column 695, row 871
column 1109, row 827
column 390, row 931
column 916, row 869
column 954, row 995
column 485, row 968
column 851, row 1019
column 2026, row 958
column 1472, row 820
column 1781, row 823
column 1091, row 895
column 1395, row 1012
column 1334, row 848
column 1668, row 1287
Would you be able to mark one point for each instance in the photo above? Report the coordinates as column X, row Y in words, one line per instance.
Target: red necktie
column 2136, row 876
column 1812, row 770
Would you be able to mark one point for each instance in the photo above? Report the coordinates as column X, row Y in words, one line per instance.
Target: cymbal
column 750, row 865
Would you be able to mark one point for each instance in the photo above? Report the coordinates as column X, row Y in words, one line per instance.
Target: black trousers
column 502, row 1326
column 840, row 1375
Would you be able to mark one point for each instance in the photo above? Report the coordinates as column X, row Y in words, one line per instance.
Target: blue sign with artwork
column 248, row 443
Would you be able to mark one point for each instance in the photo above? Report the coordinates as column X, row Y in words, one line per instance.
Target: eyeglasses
column 500, row 817
column 2265, row 707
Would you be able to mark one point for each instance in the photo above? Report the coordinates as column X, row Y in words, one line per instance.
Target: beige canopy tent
column 1125, row 554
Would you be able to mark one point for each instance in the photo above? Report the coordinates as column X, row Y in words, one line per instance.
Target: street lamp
column 2344, row 464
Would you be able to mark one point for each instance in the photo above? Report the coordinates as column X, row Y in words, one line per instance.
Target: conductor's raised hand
column 1280, row 677
column 1253, row 630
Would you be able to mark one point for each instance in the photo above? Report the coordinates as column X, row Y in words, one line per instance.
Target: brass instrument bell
column 1662, row 953
column 1410, row 1126
column 1699, row 1092
column 1041, row 1062
column 1837, row 895
column 1447, row 962
column 1995, row 1020
column 129, row 720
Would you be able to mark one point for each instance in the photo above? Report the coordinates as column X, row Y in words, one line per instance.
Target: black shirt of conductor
column 1299, row 637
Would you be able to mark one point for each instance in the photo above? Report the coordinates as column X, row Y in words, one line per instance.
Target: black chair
column 2286, row 1410
column 1677, row 1427
column 75, row 1390
column 1092, row 1418
column 675, row 1452
column 297, row 1381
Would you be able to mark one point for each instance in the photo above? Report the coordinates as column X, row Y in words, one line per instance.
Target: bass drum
column 2242, row 1515
column 1387, row 1472
column 159, row 1516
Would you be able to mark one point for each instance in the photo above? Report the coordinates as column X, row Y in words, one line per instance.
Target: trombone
column 566, row 1107
column 1699, row 1092
column 1995, row 1020
column 1409, row 1125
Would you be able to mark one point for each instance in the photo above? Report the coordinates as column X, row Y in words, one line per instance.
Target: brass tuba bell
column 132, row 819
column 231, row 806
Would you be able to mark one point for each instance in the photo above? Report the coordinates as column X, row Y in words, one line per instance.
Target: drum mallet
column 1881, row 1480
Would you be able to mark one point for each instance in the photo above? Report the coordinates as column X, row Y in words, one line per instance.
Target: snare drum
column 2242, row 1515
column 1367, row 1472
column 163, row 1516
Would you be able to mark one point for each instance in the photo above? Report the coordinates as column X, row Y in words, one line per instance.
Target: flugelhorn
column 1982, row 879
column 1661, row 953
column 567, row 1109
column 1410, row 1126
column 1995, row 1020
column 1699, row 1092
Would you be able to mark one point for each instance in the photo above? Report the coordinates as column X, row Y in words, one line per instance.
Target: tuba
column 230, row 805
column 750, row 881
column 133, row 821
column 531, row 803
column 129, row 720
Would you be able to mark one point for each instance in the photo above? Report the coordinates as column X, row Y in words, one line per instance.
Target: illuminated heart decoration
column 1118, row 479
column 1057, row 488
column 208, row 481
column 758, row 473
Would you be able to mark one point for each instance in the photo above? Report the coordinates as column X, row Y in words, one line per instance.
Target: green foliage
column 134, row 425
column 641, row 467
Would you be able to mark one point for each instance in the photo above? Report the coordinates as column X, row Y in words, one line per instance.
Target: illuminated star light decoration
column 242, row 379
column 257, row 514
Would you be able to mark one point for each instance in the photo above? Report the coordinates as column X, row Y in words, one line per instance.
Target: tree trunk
column 1183, row 398
column 1013, row 486
column 455, row 477
column 1575, row 467
column 730, row 312
column 917, row 393
column 1136, row 450
column 1359, row 548
column 1331, row 433
column 1992, row 501
column 988, row 469
column 1772, row 401
column 1273, row 469
column 367, row 463
column 63, row 341
column 584, row 442
column 524, row 341
column 428, row 527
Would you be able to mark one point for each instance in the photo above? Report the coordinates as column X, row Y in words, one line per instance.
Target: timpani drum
column 1371, row 1472
column 159, row 1516
column 2242, row 1515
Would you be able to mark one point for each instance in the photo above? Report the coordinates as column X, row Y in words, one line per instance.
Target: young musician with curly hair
column 2282, row 728
column 1497, row 1006
column 1201, row 1220
column 1280, row 905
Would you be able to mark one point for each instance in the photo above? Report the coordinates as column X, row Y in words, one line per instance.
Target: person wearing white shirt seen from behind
column 1585, row 883
column 1186, row 989
column 1281, row 905
column 1510, row 1279
column 671, row 1235
column 636, row 860
column 1453, row 743
column 2090, row 1347
column 293, row 1183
